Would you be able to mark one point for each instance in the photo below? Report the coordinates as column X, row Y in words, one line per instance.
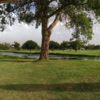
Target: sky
column 23, row 32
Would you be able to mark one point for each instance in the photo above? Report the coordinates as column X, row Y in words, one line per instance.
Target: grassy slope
column 51, row 80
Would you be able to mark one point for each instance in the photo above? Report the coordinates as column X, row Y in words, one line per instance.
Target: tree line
column 28, row 45
column 72, row 45
column 65, row 45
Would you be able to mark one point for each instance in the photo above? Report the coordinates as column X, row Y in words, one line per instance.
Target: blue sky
column 23, row 32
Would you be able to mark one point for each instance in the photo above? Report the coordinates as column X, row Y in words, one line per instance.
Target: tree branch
column 54, row 22
column 50, row 1
column 63, row 7
column 5, row 1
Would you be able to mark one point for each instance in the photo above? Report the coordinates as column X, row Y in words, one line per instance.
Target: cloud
column 23, row 32
column 96, row 36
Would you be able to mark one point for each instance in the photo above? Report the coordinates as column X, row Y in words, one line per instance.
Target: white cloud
column 96, row 36
column 23, row 32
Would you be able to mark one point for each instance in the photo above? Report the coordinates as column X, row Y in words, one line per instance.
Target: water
column 53, row 57
column 20, row 55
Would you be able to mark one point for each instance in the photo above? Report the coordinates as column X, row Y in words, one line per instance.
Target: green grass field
column 79, row 52
column 25, row 79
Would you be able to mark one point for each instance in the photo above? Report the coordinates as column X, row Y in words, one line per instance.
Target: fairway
column 49, row 50
column 49, row 80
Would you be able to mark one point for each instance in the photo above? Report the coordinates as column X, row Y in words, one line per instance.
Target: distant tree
column 65, row 45
column 16, row 45
column 54, row 45
column 29, row 45
column 78, row 41
column 89, row 47
column 92, row 47
column 5, row 46
column 97, row 47
column 76, row 45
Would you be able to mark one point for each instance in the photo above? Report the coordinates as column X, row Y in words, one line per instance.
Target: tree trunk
column 45, row 40
column 46, row 33
column 45, row 46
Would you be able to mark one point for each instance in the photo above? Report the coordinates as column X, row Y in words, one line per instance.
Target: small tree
column 65, row 45
column 76, row 44
column 54, row 45
column 29, row 45
column 16, row 45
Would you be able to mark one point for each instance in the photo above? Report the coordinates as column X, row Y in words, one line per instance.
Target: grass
column 79, row 52
column 64, row 52
column 49, row 80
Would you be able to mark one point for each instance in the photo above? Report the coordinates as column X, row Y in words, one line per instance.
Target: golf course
column 49, row 49
column 28, row 79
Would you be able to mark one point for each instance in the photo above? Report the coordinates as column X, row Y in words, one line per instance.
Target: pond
column 51, row 56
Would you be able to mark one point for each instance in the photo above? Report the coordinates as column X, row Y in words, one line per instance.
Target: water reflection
column 51, row 56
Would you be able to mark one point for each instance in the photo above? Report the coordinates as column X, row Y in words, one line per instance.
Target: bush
column 16, row 45
column 29, row 45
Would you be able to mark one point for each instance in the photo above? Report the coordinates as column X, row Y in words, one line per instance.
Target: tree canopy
column 76, row 13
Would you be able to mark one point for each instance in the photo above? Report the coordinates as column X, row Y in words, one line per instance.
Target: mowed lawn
column 79, row 52
column 49, row 80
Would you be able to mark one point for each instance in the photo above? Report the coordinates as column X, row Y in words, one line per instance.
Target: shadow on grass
column 15, row 60
column 78, row 87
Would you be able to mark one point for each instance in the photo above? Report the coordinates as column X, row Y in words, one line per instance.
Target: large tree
column 75, row 14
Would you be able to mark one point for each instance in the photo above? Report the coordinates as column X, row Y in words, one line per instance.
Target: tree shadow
column 78, row 87
column 15, row 60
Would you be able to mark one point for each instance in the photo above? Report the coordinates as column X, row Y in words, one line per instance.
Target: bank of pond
column 52, row 56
